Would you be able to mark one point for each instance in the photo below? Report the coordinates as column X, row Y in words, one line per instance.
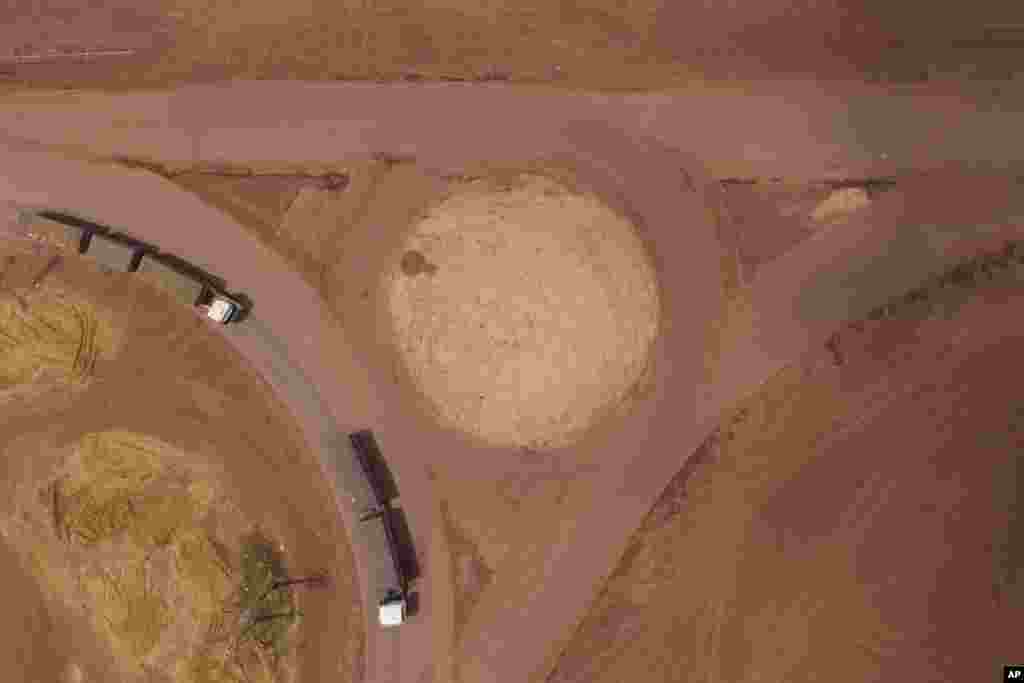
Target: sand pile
column 524, row 311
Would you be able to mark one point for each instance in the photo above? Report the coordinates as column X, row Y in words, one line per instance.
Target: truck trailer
column 118, row 252
column 112, row 252
column 356, row 484
column 387, row 580
column 188, row 289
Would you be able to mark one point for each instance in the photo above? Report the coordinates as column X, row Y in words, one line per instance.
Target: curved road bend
column 187, row 227
column 319, row 396
column 268, row 354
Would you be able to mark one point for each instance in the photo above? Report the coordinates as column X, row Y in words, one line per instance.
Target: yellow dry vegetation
column 125, row 502
column 61, row 338
column 214, row 666
column 206, row 573
column 207, row 667
column 99, row 502
column 122, row 492
column 133, row 613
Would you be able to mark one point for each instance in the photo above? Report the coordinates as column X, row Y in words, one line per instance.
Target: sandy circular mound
column 523, row 312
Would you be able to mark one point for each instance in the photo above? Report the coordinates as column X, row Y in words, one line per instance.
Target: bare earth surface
column 524, row 311
column 585, row 43
column 515, row 531
column 792, row 129
column 854, row 514
column 38, row 639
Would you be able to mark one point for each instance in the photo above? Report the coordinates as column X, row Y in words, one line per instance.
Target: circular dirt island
column 524, row 311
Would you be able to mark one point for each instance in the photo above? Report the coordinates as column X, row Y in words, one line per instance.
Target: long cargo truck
column 118, row 252
column 355, row 478
column 368, row 489
column 387, row 579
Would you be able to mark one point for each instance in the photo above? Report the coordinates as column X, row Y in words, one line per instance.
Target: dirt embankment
column 792, row 518
column 586, row 43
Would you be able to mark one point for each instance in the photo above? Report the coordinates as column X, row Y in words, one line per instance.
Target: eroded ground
column 733, row 510
column 593, row 44
column 769, row 592
column 346, row 242
column 331, row 235
column 334, row 238
column 849, row 515
column 135, row 468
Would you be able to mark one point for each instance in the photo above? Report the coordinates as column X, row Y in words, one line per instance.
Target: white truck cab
column 391, row 611
column 221, row 308
column 384, row 570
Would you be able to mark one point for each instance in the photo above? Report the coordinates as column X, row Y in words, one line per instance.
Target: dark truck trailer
column 119, row 252
column 182, row 287
column 172, row 276
column 98, row 243
column 113, row 252
column 357, row 483
column 368, row 490
column 387, row 580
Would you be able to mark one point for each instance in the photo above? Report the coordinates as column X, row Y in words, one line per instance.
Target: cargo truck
column 363, row 486
column 387, row 580
column 115, row 251
column 356, row 483
column 189, row 289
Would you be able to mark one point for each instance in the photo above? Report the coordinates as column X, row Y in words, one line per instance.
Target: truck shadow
column 412, row 604
column 406, row 550
column 192, row 270
column 407, row 559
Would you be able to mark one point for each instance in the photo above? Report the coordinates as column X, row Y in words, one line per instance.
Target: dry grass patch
column 51, row 337
column 172, row 590
column 132, row 611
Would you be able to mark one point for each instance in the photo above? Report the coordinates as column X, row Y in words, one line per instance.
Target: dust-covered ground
column 38, row 642
column 854, row 515
column 350, row 240
column 341, row 239
column 350, row 243
column 216, row 457
column 719, row 523
column 523, row 310
column 640, row 45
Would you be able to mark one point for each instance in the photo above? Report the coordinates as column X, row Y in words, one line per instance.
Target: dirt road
column 792, row 129
column 326, row 400
column 643, row 45
column 642, row 174
column 388, row 652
